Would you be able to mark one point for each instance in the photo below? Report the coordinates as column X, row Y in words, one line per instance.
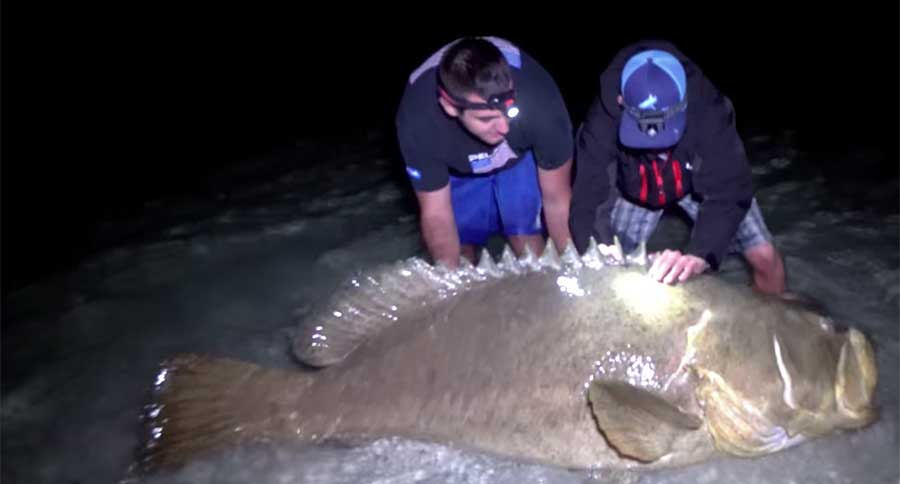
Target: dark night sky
column 104, row 107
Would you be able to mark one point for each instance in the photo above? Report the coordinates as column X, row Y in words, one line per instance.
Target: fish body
column 571, row 361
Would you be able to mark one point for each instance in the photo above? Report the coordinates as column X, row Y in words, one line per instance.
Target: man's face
column 488, row 125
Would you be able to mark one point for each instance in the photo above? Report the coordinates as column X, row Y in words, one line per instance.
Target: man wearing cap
column 673, row 139
column 487, row 143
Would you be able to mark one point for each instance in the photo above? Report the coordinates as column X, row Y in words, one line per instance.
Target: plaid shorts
column 634, row 224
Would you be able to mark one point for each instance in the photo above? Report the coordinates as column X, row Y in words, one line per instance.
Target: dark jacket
column 712, row 163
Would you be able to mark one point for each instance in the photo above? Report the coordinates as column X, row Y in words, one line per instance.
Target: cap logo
column 649, row 103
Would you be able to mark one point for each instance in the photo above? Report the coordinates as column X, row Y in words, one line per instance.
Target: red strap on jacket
column 659, row 183
column 643, row 184
column 676, row 168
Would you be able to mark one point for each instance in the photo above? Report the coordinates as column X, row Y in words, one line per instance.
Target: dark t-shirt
column 435, row 145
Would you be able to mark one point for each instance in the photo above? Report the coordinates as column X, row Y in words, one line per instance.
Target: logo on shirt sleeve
column 414, row 173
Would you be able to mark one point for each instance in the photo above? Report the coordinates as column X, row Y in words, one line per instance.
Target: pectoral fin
column 637, row 423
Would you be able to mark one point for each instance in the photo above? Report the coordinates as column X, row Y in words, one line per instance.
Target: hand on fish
column 671, row 266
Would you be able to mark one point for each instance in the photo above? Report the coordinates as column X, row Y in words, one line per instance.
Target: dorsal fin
column 550, row 257
column 639, row 255
column 366, row 304
column 465, row 264
column 570, row 256
column 466, row 274
column 591, row 257
column 508, row 261
column 618, row 257
column 529, row 261
column 486, row 265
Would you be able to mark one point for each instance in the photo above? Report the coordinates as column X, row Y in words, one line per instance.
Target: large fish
column 570, row 361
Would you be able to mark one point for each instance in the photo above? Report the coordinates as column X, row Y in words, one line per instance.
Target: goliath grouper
column 568, row 360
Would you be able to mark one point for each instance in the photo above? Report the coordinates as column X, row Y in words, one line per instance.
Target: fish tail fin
column 202, row 403
column 857, row 375
column 637, row 423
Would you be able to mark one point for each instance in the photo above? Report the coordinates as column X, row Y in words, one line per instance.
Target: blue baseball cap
column 654, row 91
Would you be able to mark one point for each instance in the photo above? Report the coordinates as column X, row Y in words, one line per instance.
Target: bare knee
column 763, row 257
column 768, row 268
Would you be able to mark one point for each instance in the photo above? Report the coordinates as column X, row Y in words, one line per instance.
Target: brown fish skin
column 503, row 365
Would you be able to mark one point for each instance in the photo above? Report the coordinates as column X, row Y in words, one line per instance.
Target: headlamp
column 651, row 122
column 504, row 102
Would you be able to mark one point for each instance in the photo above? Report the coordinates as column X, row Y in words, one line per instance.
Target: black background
column 105, row 107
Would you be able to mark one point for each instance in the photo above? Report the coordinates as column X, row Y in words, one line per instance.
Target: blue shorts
column 507, row 202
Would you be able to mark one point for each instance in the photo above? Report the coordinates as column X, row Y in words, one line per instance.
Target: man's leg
column 474, row 211
column 768, row 268
column 754, row 241
column 518, row 243
column 469, row 252
column 518, row 196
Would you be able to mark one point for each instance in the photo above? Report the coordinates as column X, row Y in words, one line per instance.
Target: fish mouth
column 857, row 374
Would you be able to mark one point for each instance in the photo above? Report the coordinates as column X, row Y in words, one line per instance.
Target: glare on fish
column 569, row 285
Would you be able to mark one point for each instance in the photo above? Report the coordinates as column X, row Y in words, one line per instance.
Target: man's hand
column 556, row 196
column 671, row 266
column 439, row 226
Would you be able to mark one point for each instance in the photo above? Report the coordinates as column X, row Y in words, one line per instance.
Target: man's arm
column 556, row 195
column 724, row 183
column 594, row 152
column 439, row 226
